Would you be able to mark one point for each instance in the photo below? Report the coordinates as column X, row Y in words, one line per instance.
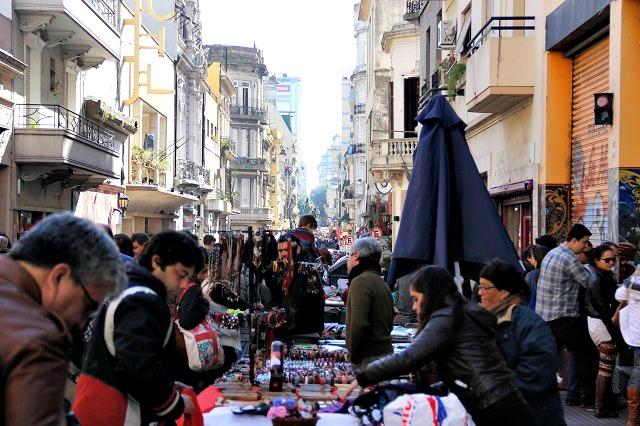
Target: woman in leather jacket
column 601, row 305
column 459, row 337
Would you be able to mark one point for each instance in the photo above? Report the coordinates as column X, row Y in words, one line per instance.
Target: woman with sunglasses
column 601, row 306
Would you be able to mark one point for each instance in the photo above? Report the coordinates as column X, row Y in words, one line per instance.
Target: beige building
column 66, row 149
column 249, row 117
column 220, row 149
column 392, row 78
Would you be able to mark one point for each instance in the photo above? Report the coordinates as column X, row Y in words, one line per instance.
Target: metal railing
column 106, row 9
column 249, row 163
column 206, row 176
column 256, row 211
column 359, row 109
column 357, row 148
column 249, row 111
column 50, row 116
column 495, row 23
column 228, row 143
column 414, row 6
column 187, row 170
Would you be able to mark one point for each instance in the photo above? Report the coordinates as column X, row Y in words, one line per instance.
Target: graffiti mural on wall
column 556, row 209
column 629, row 205
column 589, row 184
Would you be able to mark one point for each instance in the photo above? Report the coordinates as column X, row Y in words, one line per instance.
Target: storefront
column 513, row 202
column 589, row 142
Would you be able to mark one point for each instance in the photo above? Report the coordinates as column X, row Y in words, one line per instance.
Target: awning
column 153, row 199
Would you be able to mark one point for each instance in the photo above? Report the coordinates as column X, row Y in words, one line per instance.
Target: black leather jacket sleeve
column 433, row 338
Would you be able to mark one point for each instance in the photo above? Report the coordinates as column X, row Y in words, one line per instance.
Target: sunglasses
column 92, row 304
column 609, row 260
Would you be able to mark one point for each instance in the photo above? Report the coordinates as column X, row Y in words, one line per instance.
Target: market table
column 223, row 416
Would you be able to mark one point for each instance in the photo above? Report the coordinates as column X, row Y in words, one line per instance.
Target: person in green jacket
column 369, row 305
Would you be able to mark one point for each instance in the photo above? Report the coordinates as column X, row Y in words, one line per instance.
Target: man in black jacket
column 126, row 369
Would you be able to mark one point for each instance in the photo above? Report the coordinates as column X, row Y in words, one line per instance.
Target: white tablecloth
column 223, row 416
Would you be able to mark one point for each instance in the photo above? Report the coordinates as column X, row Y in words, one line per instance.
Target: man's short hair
column 308, row 220
column 172, row 247
column 208, row 239
column 63, row 238
column 140, row 238
column 578, row 231
column 367, row 248
column 124, row 244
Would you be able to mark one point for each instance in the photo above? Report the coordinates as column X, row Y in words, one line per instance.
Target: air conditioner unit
column 446, row 35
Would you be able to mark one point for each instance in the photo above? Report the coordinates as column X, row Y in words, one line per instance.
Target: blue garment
column 529, row 348
column 532, row 281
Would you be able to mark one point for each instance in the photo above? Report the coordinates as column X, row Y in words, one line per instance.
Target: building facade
column 249, row 118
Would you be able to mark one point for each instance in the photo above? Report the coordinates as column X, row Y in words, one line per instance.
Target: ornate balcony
column 392, row 158
column 52, row 134
column 248, row 113
column 249, row 164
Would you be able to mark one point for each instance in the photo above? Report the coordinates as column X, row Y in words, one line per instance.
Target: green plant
column 225, row 144
column 140, row 156
column 159, row 165
column 106, row 115
column 456, row 73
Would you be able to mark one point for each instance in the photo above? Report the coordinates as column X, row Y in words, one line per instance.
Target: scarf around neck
column 503, row 310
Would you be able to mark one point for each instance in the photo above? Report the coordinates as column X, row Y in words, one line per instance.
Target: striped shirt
column 561, row 276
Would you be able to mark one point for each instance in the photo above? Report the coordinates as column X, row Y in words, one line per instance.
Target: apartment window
column 52, row 74
column 427, row 55
column 410, row 106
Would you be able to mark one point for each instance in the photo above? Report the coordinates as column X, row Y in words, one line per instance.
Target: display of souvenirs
column 334, row 331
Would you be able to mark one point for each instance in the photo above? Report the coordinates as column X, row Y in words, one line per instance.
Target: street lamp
column 123, row 203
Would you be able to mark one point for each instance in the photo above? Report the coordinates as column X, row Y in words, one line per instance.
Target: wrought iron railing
column 206, row 176
column 495, row 23
column 249, row 111
column 414, row 6
column 249, row 163
column 106, row 9
column 187, row 170
column 357, row 148
column 359, row 108
column 50, row 116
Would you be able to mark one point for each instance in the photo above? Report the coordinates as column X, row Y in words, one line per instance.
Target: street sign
column 376, row 233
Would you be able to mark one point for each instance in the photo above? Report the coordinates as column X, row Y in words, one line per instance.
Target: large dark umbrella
column 448, row 215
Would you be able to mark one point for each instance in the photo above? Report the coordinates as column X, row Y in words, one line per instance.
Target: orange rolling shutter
column 589, row 143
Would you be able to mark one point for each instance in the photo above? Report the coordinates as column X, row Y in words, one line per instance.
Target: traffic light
column 603, row 110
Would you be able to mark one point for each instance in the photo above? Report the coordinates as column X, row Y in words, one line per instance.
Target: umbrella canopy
column 448, row 215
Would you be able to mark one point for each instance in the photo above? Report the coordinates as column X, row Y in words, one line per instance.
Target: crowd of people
column 94, row 326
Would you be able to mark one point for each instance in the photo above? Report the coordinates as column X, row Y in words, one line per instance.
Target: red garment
column 196, row 418
column 110, row 409
column 208, row 398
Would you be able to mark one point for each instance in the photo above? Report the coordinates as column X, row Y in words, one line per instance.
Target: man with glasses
column 559, row 303
column 53, row 279
column 127, row 371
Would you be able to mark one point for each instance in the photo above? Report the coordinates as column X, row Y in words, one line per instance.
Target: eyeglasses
column 609, row 260
column 483, row 288
column 92, row 304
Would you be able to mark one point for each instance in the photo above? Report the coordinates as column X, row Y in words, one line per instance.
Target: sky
column 303, row 38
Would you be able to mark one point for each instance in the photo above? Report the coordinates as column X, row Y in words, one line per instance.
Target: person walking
column 126, row 371
column 525, row 340
column 601, row 305
column 459, row 336
column 369, row 305
column 47, row 287
column 558, row 303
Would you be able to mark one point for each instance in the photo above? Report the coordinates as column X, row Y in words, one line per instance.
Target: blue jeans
column 573, row 386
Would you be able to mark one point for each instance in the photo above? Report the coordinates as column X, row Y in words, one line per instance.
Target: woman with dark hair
column 525, row 340
column 601, row 305
column 534, row 255
column 459, row 337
